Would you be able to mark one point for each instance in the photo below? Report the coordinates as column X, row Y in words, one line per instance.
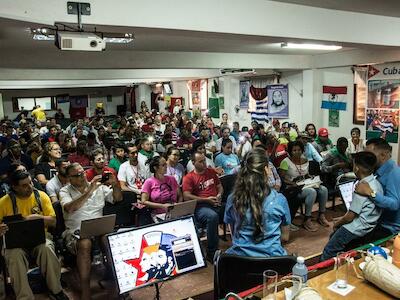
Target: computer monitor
column 158, row 252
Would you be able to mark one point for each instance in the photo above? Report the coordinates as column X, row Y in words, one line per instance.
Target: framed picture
column 359, row 101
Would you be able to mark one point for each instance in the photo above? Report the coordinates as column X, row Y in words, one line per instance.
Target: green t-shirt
column 115, row 163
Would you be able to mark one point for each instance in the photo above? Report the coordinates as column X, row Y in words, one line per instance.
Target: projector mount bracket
column 79, row 9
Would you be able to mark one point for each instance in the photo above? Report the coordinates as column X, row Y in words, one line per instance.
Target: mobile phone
column 105, row 177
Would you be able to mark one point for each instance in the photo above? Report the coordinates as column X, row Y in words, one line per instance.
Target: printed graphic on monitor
column 146, row 255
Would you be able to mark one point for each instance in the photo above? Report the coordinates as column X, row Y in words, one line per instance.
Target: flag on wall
column 78, row 101
column 334, row 97
column 258, row 104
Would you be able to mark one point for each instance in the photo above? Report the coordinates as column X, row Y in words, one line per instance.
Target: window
column 27, row 103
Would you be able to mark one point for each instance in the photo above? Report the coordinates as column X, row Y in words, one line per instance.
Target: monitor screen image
column 147, row 255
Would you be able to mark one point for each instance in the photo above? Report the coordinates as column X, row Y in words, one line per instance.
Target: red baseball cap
column 323, row 132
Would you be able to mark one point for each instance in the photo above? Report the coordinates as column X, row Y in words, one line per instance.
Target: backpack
column 13, row 198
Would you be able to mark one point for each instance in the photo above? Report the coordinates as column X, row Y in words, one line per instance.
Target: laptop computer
column 97, row 226
column 180, row 209
column 24, row 234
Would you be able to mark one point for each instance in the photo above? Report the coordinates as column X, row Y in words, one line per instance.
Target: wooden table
column 363, row 289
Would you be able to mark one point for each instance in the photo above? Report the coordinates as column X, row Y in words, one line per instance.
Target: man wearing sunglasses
column 84, row 200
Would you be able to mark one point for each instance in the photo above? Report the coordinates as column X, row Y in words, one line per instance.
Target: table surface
column 363, row 289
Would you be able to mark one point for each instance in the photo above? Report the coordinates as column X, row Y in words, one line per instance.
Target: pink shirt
column 161, row 191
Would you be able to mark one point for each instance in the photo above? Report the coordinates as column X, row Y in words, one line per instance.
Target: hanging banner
column 334, row 97
column 382, row 111
column 244, row 94
column 213, row 107
column 278, row 101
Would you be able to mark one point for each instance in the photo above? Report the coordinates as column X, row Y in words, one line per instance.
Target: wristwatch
column 373, row 194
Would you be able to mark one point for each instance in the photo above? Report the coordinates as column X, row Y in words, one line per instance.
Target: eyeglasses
column 80, row 174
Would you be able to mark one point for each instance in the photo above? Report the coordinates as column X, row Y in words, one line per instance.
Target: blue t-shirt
column 229, row 163
column 389, row 176
column 275, row 214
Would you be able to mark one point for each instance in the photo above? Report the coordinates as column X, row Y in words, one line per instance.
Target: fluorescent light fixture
column 310, row 46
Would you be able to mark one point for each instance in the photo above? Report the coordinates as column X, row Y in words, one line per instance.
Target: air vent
column 67, row 43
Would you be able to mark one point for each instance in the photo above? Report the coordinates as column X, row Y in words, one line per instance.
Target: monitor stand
column 157, row 291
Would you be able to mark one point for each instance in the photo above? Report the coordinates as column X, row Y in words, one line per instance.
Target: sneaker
column 293, row 227
column 323, row 221
column 310, row 226
column 60, row 296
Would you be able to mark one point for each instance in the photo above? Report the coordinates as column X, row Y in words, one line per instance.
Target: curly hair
column 251, row 188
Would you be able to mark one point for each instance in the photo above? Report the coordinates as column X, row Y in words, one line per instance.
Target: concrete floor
column 302, row 243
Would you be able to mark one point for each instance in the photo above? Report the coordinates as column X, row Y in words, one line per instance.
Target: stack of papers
column 314, row 182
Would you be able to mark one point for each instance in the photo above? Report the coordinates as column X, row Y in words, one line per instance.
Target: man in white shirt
column 225, row 135
column 54, row 185
column 130, row 176
column 83, row 200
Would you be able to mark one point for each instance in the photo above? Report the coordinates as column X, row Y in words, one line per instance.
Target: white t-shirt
column 53, row 186
column 246, row 148
column 92, row 208
column 130, row 174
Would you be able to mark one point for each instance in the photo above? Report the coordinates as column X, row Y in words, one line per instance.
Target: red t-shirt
column 201, row 185
column 90, row 173
column 83, row 160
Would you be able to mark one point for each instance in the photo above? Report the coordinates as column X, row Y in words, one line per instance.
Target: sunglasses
column 80, row 174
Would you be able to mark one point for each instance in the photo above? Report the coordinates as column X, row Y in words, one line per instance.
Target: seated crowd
column 161, row 159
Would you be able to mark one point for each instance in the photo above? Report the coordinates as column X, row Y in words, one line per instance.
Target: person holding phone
column 99, row 165
column 84, row 200
column 160, row 191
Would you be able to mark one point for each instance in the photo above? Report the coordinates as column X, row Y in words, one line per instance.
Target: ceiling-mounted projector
column 79, row 41
column 237, row 71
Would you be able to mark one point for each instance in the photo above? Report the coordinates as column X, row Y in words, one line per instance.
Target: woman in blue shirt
column 258, row 216
column 226, row 159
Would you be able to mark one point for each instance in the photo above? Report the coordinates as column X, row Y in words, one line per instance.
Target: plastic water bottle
column 396, row 251
column 300, row 269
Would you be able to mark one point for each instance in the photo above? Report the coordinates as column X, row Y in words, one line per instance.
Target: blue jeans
column 310, row 195
column 207, row 216
column 338, row 242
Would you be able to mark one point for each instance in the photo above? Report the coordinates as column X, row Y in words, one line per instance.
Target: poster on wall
column 244, row 94
column 278, row 100
column 333, row 118
column 382, row 111
column 383, row 123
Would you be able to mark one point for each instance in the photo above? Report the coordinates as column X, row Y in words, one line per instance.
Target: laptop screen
column 347, row 189
column 150, row 254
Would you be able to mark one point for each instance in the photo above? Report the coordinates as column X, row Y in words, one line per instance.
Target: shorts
column 71, row 240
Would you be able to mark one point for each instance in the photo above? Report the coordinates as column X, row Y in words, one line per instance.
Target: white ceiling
column 389, row 8
column 245, row 38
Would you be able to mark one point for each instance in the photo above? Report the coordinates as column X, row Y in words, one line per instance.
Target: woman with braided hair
column 259, row 217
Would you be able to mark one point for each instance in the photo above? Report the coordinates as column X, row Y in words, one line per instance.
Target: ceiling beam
column 258, row 17
column 58, row 59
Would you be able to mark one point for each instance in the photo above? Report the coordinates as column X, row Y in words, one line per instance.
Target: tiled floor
column 199, row 282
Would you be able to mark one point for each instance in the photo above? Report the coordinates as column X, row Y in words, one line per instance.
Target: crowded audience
column 157, row 159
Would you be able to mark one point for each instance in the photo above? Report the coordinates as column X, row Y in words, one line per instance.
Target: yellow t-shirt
column 39, row 114
column 26, row 206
